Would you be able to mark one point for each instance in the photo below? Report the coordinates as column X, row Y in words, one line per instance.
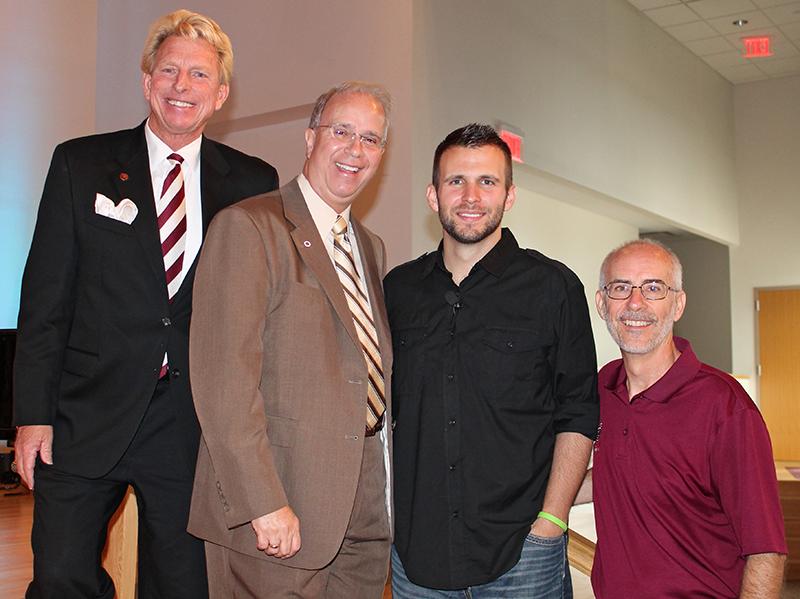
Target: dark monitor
column 8, row 342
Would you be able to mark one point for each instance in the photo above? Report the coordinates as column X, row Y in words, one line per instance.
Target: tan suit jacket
column 279, row 377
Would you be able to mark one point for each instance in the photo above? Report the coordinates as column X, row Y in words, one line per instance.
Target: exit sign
column 756, row 47
column 514, row 141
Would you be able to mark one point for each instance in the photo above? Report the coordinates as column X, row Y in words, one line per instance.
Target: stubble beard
column 663, row 331
column 470, row 236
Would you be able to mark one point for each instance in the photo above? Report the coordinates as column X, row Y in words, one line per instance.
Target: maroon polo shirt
column 684, row 485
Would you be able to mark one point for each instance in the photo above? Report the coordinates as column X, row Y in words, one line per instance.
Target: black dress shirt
column 486, row 374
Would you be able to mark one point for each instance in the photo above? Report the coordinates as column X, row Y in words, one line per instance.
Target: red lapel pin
column 123, row 176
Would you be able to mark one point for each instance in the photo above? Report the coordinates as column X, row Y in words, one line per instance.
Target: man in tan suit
column 290, row 361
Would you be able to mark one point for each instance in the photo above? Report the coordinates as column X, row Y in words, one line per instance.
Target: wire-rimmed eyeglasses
column 346, row 134
column 654, row 289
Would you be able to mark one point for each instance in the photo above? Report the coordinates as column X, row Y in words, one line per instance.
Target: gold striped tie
column 362, row 317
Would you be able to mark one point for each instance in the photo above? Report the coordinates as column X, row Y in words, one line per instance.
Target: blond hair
column 189, row 25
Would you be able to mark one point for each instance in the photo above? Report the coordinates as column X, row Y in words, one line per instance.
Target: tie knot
column 175, row 158
column 339, row 227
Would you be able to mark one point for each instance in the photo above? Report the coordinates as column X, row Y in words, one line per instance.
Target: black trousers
column 71, row 515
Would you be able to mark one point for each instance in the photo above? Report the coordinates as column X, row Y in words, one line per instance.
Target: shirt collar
column 158, row 150
column 494, row 262
column 681, row 372
column 323, row 215
column 501, row 255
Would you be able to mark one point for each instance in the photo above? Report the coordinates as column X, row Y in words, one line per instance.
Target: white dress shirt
column 160, row 167
column 324, row 216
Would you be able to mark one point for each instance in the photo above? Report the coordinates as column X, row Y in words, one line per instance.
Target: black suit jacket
column 95, row 319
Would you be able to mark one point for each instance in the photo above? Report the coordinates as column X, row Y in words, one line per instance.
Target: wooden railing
column 119, row 557
column 580, row 552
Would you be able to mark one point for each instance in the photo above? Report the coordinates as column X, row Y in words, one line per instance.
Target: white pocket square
column 124, row 212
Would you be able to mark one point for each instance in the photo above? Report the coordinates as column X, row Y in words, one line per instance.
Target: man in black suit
column 102, row 396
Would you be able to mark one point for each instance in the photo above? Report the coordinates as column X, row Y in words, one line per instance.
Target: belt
column 371, row 432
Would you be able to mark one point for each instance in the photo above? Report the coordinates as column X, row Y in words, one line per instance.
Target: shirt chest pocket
column 513, row 364
column 408, row 351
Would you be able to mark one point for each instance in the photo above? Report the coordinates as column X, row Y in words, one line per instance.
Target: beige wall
column 635, row 130
column 605, row 98
column 768, row 160
column 287, row 52
column 706, row 321
column 624, row 128
column 48, row 95
column 577, row 237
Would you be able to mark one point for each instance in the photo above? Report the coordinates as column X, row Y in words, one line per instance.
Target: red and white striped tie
column 171, row 211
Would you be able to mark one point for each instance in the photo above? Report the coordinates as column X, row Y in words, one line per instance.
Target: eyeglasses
column 345, row 134
column 651, row 290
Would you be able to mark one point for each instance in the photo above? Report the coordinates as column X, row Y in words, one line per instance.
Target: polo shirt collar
column 680, row 373
column 494, row 262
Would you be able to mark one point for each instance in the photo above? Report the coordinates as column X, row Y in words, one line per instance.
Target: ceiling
column 706, row 27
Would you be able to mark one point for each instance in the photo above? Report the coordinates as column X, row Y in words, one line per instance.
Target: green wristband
column 557, row 521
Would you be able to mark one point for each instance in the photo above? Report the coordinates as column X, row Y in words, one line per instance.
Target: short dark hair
column 474, row 135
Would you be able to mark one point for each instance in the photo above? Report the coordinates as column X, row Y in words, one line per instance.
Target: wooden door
column 779, row 362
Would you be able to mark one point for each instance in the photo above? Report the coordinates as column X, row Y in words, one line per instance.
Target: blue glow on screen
column 18, row 203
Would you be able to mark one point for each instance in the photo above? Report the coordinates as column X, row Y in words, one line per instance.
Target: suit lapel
column 214, row 196
column 132, row 180
column 312, row 251
column 214, row 193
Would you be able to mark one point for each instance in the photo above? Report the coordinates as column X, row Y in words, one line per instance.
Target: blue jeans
column 542, row 572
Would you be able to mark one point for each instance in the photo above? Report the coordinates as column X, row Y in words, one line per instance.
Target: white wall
column 768, row 162
column 606, row 100
column 48, row 92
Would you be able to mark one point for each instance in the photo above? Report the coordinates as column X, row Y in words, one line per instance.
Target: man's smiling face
column 471, row 196
column 183, row 90
column 637, row 325
column 339, row 169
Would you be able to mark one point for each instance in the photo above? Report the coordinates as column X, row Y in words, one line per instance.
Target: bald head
column 641, row 322
column 675, row 279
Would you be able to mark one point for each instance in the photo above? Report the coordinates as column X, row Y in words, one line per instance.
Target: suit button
column 166, row 321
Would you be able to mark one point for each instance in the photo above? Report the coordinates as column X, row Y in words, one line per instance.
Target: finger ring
column 13, row 466
column 274, row 546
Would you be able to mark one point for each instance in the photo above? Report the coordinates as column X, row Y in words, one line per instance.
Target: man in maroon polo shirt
column 686, row 499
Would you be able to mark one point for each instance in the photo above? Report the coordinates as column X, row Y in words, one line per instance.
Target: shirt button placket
column 452, row 440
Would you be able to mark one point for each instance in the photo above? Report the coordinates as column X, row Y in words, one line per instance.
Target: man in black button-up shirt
column 494, row 391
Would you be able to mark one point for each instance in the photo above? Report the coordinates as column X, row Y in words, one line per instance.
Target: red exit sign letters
column 756, row 47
